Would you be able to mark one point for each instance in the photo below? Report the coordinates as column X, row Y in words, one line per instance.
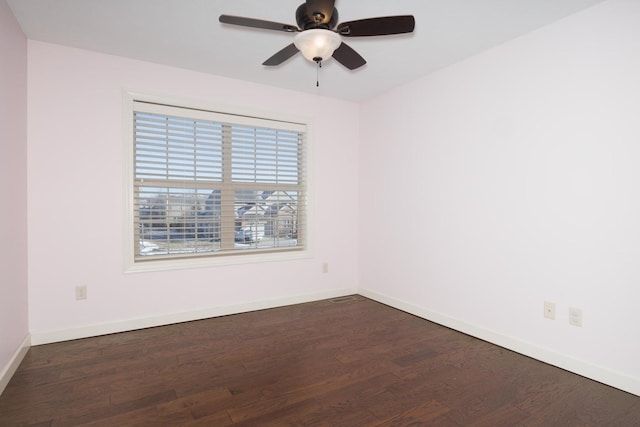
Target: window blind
column 211, row 184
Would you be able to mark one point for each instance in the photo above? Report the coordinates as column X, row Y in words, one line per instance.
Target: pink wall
column 13, row 186
column 510, row 179
column 76, row 168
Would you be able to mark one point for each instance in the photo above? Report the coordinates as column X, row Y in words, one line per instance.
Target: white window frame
column 130, row 264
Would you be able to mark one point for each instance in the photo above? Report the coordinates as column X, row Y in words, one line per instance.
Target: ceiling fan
column 318, row 37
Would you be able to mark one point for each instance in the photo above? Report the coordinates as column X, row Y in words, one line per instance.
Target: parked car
column 244, row 236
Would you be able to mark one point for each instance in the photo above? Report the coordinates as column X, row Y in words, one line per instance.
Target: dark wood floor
column 326, row 363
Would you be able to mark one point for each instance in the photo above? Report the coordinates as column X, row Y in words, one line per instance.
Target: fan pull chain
column 318, row 73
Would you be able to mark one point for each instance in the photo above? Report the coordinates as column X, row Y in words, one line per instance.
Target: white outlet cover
column 550, row 310
column 575, row 316
column 81, row 292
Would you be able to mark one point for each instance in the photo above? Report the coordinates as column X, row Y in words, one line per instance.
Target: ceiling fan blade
column 282, row 55
column 382, row 26
column 257, row 23
column 324, row 7
column 348, row 57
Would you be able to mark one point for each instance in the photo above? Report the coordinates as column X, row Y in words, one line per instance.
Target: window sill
column 212, row 261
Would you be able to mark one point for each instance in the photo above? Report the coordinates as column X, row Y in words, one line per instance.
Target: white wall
column 14, row 326
column 76, row 171
column 510, row 179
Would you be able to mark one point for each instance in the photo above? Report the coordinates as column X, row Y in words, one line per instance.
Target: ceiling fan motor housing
column 313, row 19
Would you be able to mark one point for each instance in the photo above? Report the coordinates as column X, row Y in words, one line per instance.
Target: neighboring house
column 273, row 215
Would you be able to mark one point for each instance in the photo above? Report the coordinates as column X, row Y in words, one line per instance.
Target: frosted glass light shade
column 317, row 43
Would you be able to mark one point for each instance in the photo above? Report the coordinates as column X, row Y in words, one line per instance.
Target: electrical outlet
column 81, row 292
column 325, row 267
column 550, row 310
column 575, row 316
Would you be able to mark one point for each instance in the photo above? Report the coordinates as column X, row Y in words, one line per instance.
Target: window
column 208, row 184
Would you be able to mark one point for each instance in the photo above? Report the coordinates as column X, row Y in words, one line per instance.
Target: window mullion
column 227, row 214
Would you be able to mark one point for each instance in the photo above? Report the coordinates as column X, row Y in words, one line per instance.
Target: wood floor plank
column 423, row 414
column 349, row 363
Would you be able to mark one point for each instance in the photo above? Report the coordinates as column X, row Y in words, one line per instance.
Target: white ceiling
column 187, row 34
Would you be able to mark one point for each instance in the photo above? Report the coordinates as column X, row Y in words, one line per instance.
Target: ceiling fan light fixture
column 317, row 44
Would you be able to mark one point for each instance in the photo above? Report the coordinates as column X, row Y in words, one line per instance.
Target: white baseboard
column 585, row 369
column 11, row 368
column 45, row 337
